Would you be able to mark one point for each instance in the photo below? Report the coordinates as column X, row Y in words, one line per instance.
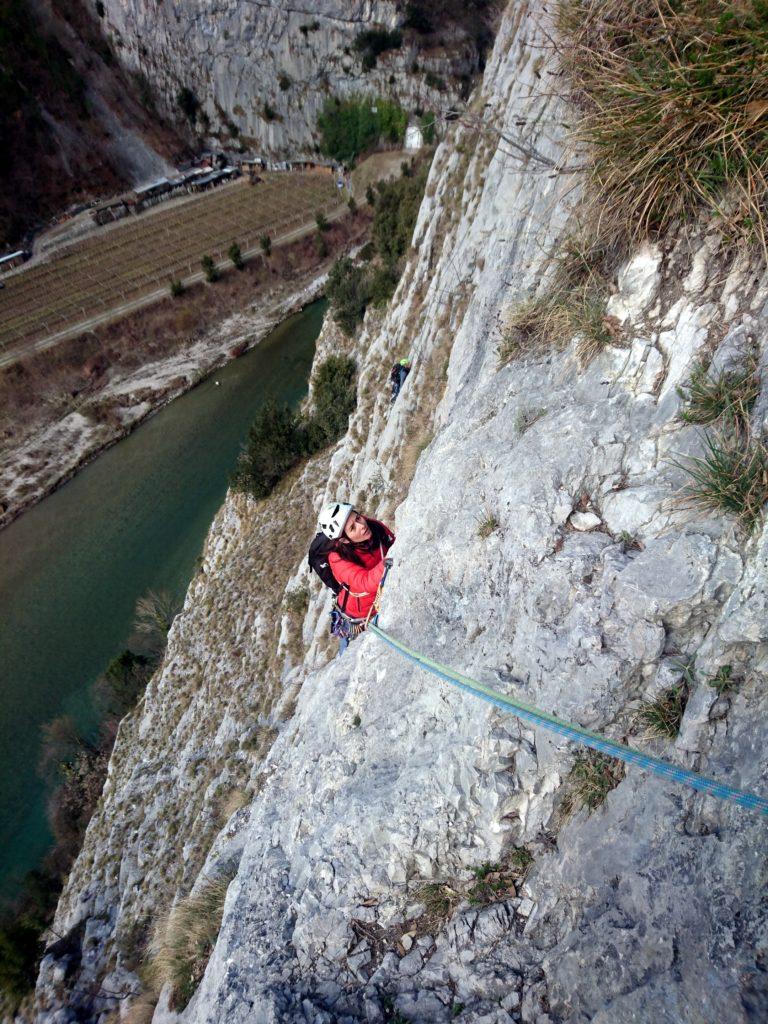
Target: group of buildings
column 13, row 259
column 197, row 179
column 209, row 171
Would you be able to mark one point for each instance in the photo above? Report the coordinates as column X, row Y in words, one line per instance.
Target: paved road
column 9, row 356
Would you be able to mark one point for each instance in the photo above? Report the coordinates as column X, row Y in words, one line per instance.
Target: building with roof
column 13, row 259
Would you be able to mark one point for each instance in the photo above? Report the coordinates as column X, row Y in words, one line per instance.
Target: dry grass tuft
column 709, row 397
column 141, row 1010
column 492, row 884
column 487, row 523
column 662, row 715
column 533, row 324
column 592, row 778
column 580, row 271
column 184, row 940
column 526, row 418
column 552, row 321
column 439, row 899
column 731, row 476
column 236, row 799
column 673, row 97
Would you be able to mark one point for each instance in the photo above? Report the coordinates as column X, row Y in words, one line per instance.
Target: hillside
column 73, row 125
column 378, row 846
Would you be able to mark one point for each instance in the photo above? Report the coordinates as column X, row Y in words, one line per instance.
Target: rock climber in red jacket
column 356, row 557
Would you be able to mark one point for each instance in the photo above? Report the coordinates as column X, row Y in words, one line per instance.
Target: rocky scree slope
column 262, row 71
column 72, row 123
column 383, row 779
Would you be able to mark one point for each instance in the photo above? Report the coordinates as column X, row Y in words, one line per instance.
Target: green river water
column 72, row 567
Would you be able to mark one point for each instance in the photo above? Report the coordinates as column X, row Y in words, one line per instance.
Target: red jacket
column 363, row 581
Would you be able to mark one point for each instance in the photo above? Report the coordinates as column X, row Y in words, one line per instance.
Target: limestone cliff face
column 365, row 780
column 262, row 70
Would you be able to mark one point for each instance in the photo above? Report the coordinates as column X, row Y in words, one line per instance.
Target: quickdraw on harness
column 345, row 628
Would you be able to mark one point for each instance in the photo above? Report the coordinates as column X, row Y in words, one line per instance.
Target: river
column 72, row 567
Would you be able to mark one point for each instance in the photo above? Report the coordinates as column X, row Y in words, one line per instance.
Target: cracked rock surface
column 593, row 590
column 262, row 69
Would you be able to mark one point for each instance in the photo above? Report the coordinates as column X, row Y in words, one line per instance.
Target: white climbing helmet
column 333, row 517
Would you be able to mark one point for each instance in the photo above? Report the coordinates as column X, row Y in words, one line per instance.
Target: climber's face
column 356, row 528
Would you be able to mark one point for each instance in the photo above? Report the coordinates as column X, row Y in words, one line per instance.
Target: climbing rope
column 574, row 732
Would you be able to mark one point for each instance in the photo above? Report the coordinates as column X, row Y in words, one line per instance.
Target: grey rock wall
column 233, row 55
column 590, row 593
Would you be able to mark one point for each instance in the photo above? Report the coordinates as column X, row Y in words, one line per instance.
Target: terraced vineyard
column 141, row 253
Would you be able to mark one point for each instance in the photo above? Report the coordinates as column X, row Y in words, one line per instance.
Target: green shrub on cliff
column 372, row 42
column 349, row 127
column 396, row 210
column 125, row 679
column 188, row 103
column 275, row 443
column 280, row 438
column 335, row 398
column 348, row 292
column 352, row 287
column 18, row 959
column 21, row 926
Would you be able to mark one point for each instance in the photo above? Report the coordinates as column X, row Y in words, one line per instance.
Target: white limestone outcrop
column 592, row 590
column 262, row 71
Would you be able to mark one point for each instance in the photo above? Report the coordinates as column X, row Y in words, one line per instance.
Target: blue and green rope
column 528, row 713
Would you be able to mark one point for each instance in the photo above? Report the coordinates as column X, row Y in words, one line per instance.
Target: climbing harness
column 576, row 733
column 345, row 628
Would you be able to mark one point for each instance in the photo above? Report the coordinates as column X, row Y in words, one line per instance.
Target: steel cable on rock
column 575, row 732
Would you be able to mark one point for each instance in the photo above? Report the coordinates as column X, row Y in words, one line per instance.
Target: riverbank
column 66, row 432
column 133, row 521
